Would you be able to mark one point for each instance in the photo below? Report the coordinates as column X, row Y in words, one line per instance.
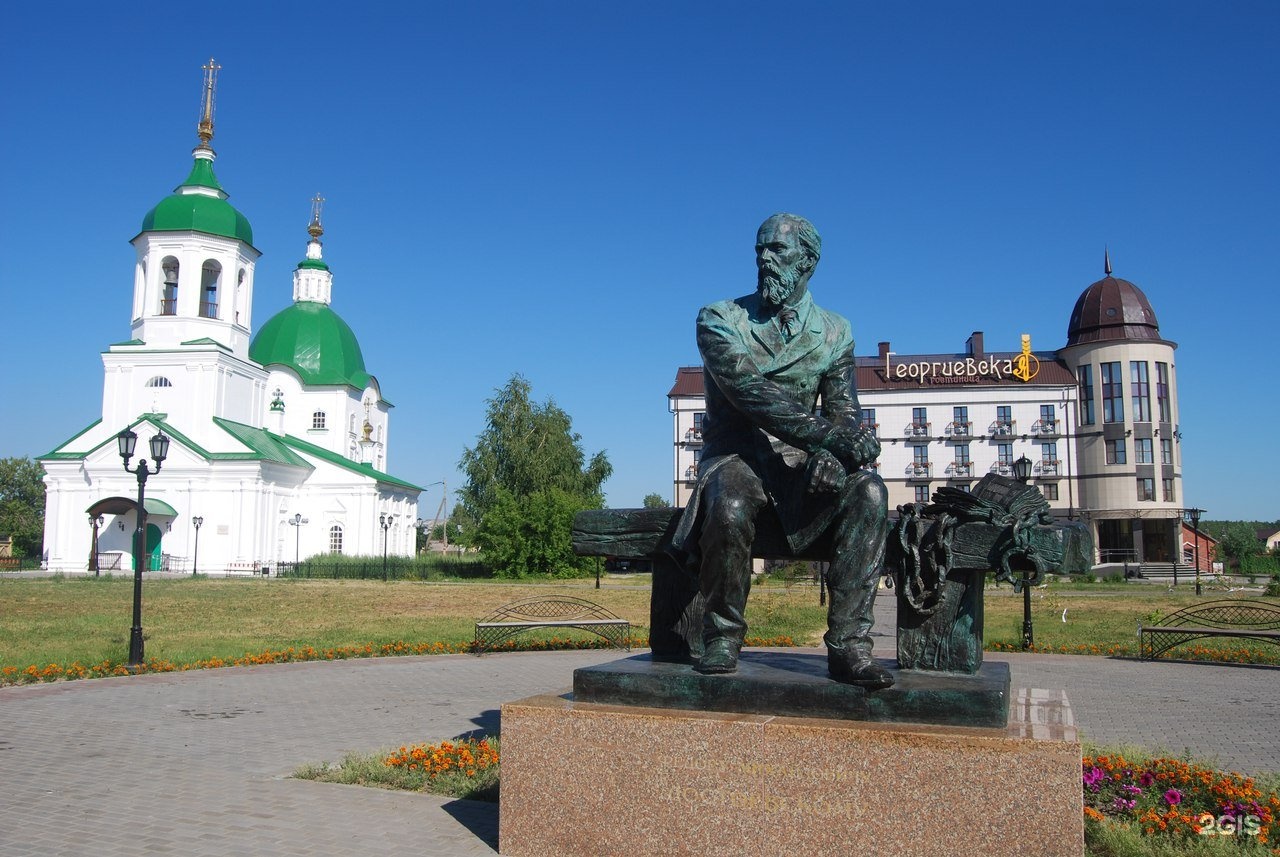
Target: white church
column 278, row 442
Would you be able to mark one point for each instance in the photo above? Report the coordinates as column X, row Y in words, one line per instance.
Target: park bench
column 559, row 611
column 1231, row 617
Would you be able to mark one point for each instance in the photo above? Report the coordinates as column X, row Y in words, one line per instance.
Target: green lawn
column 61, row 621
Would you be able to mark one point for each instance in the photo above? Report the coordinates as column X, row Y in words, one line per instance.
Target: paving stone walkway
column 198, row 764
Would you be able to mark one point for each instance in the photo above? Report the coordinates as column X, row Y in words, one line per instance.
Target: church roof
column 314, row 341
column 200, row 205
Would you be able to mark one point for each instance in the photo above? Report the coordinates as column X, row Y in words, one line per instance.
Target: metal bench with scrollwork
column 1232, row 617
column 560, row 611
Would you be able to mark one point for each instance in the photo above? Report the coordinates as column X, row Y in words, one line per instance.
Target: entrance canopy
column 123, row 505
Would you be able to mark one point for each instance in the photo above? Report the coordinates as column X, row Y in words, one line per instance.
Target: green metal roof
column 346, row 463
column 198, row 212
column 318, row 264
column 155, row 506
column 312, row 340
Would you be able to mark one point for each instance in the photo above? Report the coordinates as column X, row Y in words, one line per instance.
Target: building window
column 1004, row 454
column 1004, row 419
column 1146, row 490
column 699, row 417
column 1085, row 374
column 1166, row 451
column 210, row 274
column 317, row 421
column 697, row 457
column 960, row 420
column 335, row 539
column 1143, row 452
column 1140, row 391
column 169, row 294
column 922, row 493
column 1112, row 393
column 1163, row 408
column 1115, row 451
column 1049, row 490
column 919, row 421
column 920, row 456
column 962, row 455
column 1167, row 484
column 1049, row 453
column 869, row 420
column 159, row 381
column 1048, row 419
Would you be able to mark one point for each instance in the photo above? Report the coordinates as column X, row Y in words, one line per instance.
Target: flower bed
column 54, row 672
column 1176, row 799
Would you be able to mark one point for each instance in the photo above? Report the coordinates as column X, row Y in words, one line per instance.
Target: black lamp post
column 96, row 523
column 296, row 522
column 196, row 522
column 126, row 441
column 1193, row 516
column 1022, row 472
column 385, row 520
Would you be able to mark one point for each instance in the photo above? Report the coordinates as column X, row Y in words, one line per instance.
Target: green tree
column 1236, row 540
column 22, row 504
column 655, row 501
column 526, row 477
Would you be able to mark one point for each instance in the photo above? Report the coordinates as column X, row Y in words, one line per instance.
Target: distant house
column 1270, row 537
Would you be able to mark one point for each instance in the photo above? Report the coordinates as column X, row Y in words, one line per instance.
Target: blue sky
column 555, row 188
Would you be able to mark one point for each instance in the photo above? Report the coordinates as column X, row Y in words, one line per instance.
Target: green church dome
column 187, row 211
column 315, row 342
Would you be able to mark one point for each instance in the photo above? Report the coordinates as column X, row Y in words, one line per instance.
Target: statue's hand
column 854, row 447
column 826, row 473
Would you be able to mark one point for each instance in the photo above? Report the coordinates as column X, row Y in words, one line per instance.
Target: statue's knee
column 867, row 495
column 731, row 513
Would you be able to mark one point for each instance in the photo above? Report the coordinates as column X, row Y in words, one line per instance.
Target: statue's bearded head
column 787, row 251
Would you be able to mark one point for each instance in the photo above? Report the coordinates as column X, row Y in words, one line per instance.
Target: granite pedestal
column 583, row 779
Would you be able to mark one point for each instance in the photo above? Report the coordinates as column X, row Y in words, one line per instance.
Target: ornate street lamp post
column 196, row 522
column 1193, row 517
column 1022, row 472
column 296, row 522
column 385, row 520
column 126, row 441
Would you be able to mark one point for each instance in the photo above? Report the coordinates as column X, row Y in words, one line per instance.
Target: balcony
column 691, row 473
column 919, row 470
column 1048, row 468
column 1002, row 469
column 1045, row 428
column 918, row 431
column 169, row 306
column 961, row 430
column 208, row 309
column 874, row 427
column 693, row 435
column 961, row 471
column 1003, row 428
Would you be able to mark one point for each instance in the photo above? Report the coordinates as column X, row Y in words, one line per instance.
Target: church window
column 159, row 381
column 317, row 421
column 239, row 301
column 335, row 539
column 352, row 427
column 209, row 276
column 169, row 293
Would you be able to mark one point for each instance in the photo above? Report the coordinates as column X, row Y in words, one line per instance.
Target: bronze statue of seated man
column 783, row 436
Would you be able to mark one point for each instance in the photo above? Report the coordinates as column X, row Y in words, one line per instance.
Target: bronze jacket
column 763, row 396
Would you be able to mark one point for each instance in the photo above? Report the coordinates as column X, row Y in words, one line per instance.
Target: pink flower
column 1173, row 797
column 1147, row 778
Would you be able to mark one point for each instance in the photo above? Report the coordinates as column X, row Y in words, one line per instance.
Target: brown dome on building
column 1112, row 308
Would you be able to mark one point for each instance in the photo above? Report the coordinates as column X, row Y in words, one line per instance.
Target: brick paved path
column 198, row 763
